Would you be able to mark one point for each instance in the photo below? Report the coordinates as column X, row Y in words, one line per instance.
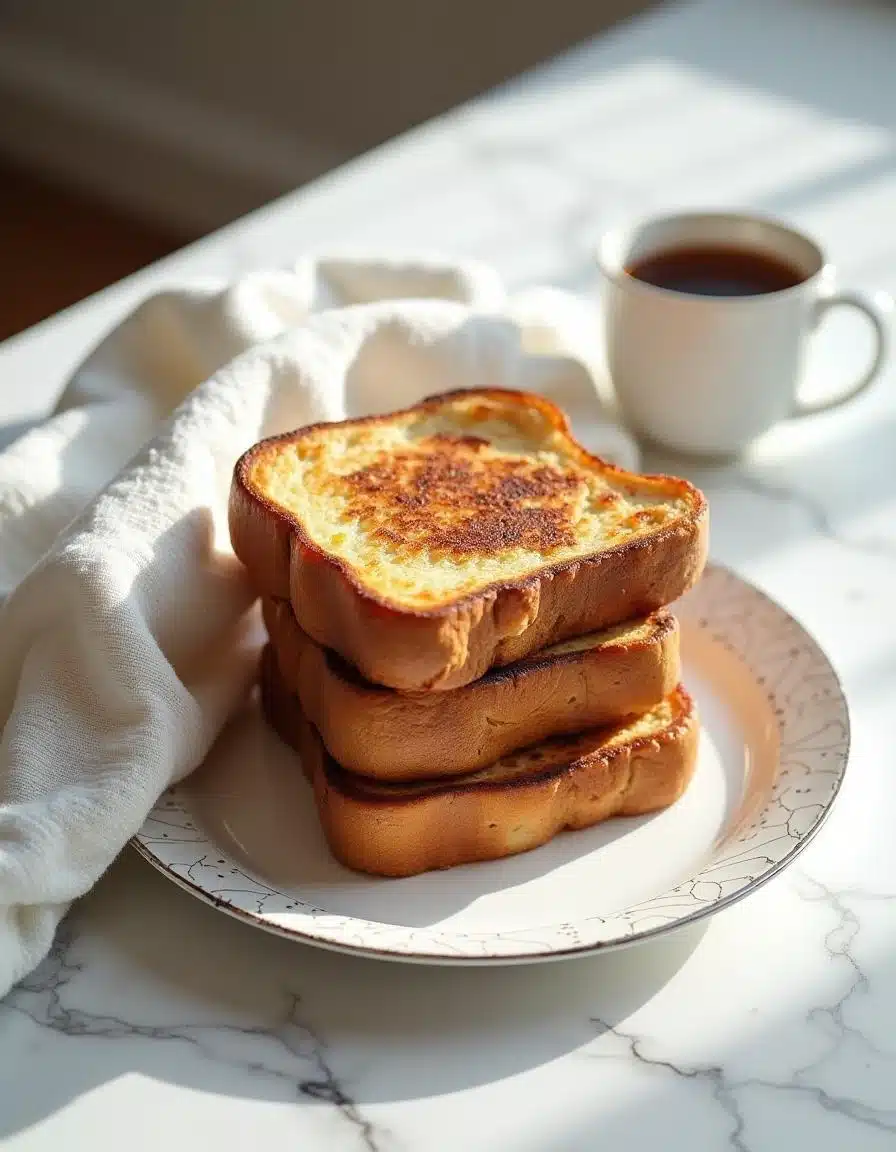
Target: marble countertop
column 160, row 1022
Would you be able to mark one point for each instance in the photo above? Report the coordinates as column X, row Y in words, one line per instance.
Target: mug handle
column 878, row 315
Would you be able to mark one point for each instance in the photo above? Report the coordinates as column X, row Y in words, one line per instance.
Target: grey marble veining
column 806, row 1081
column 353, row 1048
column 286, row 1050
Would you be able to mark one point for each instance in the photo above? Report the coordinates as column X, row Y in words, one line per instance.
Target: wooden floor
column 58, row 246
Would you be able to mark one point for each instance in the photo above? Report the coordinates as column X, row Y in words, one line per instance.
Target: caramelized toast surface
column 429, row 544
column 433, row 504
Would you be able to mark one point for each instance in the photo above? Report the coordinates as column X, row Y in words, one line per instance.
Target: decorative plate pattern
column 787, row 692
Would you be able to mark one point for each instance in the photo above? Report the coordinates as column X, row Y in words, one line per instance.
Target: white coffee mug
column 709, row 374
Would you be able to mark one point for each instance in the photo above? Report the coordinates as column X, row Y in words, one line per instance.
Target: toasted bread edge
column 386, row 735
column 450, row 825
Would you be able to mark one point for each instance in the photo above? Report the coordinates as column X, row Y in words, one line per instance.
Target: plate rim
column 447, row 959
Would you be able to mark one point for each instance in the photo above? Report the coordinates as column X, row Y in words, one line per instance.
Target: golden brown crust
column 453, row 643
column 403, row 830
column 376, row 732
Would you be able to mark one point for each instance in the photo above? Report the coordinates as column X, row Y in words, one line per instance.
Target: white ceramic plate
column 242, row 832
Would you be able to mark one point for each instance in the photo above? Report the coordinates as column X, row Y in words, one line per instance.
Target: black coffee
column 716, row 270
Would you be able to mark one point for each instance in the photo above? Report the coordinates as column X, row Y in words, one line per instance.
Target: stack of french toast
column 469, row 638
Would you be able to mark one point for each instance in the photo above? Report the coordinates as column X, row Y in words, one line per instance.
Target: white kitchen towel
column 127, row 634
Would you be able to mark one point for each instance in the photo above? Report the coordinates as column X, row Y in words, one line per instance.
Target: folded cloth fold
column 128, row 629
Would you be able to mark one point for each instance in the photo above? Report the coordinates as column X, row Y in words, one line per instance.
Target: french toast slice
column 430, row 544
column 518, row 803
column 577, row 684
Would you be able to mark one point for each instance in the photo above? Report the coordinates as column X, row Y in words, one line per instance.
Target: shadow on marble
column 9, row 433
column 780, row 498
column 146, row 983
column 230, row 1009
column 615, row 89
column 251, row 799
column 730, row 40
